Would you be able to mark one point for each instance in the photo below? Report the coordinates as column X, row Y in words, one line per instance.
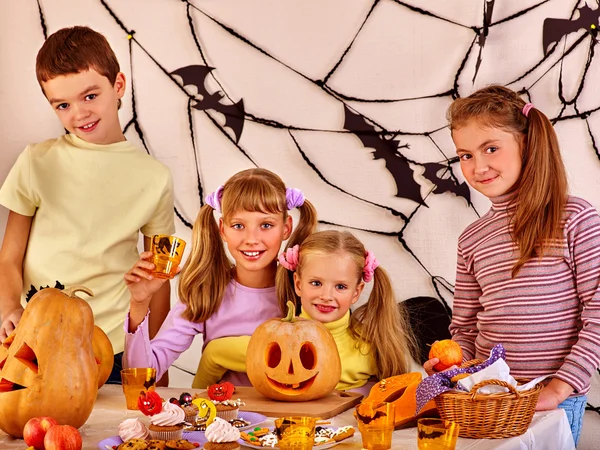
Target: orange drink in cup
column 376, row 424
column 135, row 381
column 436, row 434
column 295, row 433
column 167, row 252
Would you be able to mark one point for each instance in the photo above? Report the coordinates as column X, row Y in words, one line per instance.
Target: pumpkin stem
column 290, row 313
column 71, row 291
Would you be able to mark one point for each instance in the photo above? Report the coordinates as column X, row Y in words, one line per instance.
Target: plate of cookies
column 325, row 437
column 115, row 443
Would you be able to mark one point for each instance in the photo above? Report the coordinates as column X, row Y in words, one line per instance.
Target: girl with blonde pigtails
column 218, row 298
column 328, row 274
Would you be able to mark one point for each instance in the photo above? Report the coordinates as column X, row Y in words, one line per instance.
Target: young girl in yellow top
column 327, row 274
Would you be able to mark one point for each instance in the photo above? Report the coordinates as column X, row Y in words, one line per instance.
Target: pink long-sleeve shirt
column 242, row 310
column 548, row 316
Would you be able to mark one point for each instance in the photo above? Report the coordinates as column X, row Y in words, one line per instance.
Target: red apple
column 448, row 352
column 62, row 437
column 35, row 430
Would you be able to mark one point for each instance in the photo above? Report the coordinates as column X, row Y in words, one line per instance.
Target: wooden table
column 548, row 431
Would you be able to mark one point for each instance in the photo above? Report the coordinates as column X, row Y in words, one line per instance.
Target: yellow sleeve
column 219, row 356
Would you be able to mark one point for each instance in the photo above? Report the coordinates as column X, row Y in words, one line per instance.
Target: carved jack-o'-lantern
column 47, row 367
column 293, row 359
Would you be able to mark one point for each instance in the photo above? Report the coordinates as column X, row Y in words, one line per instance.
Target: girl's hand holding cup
column 141, row 282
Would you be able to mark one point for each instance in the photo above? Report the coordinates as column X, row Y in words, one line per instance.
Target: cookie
column 133, row 444
column 180, row 444
column 343, row 433
column 155, row 444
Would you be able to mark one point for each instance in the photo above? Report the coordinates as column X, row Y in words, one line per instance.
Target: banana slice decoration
column 206, row 410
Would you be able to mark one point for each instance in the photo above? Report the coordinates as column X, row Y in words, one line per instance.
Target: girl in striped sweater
column 528, row 271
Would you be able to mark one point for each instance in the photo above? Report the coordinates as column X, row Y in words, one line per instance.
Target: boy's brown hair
column 73, row 50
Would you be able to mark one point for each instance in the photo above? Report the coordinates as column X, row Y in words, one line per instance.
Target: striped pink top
column 548, row 316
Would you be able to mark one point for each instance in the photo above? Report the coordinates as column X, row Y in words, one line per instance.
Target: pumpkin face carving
column 47, row 367
column 293, row 359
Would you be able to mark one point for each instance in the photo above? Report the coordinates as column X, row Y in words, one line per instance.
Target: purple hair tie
column 214, row 199
column 528, row 107
column 294, row 198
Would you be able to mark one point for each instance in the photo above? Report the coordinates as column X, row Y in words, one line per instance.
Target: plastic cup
column 436, row 434
column 167, row 252
column 376, row 424
column 135, row 381
column 295, row 433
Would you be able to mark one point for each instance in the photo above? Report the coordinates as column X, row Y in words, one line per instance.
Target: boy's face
column 87, row 105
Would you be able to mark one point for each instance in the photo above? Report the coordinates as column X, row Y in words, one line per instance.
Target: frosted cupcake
column 168, row 423
column 132, row 429
column 221, row 435
column 228, row 409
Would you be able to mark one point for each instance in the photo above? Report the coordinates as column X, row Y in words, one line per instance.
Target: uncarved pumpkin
column 104, row 355
column 401, row 390
column 293, row 359
column 48, row 368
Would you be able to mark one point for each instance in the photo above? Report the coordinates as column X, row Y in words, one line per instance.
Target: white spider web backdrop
column 295, row 65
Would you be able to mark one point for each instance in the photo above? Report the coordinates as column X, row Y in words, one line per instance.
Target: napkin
column 499, row 370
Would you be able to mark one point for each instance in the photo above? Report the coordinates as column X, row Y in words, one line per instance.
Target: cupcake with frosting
column 168, row 423
column 132, row 429
column 228, row 409
column 221, row 435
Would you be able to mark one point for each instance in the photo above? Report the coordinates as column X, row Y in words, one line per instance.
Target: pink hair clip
column 290, row 257
column 371, row 264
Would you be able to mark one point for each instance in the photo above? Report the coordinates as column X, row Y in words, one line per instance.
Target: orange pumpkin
column 293, row 359
column 448, row 352
column 48, row 368
column 104, row 355
column 401, row 390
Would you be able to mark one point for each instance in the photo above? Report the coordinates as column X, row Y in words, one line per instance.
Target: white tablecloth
column 548, row 431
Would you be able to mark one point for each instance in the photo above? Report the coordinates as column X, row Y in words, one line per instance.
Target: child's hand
column 10, row 322
column 428, row 366
column 553, row 394
column 141, row 282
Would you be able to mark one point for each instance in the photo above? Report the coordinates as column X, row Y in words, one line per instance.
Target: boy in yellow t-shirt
column 78, row 202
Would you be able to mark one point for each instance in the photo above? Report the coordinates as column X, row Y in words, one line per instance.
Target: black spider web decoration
column 370, row 131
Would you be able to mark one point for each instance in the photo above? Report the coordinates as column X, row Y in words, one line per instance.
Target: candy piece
column 185, row 399
column 206, row 410
column 149, row 403
column 221, row 391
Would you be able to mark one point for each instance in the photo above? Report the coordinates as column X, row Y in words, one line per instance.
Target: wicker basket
column 485, row 416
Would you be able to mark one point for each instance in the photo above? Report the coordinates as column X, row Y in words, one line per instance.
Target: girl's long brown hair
column 381, row 323
column 541, row 190
column 207, row 271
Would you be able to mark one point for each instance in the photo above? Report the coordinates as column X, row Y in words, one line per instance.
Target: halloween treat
column 448, row 352
column 263, row 437
column 133, row 444
column 180, row 444
column 293, row 359
column 220, row 395
column 132, row 429
column 221, row 435
column 48, row 359
column 401, row 391
column 168, row 423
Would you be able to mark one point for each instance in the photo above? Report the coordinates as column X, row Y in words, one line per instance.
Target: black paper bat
column 33, row 290
column 488, row 9
column 386, row 149
column 446, row 184
column 554, row 29
column 195, row 75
